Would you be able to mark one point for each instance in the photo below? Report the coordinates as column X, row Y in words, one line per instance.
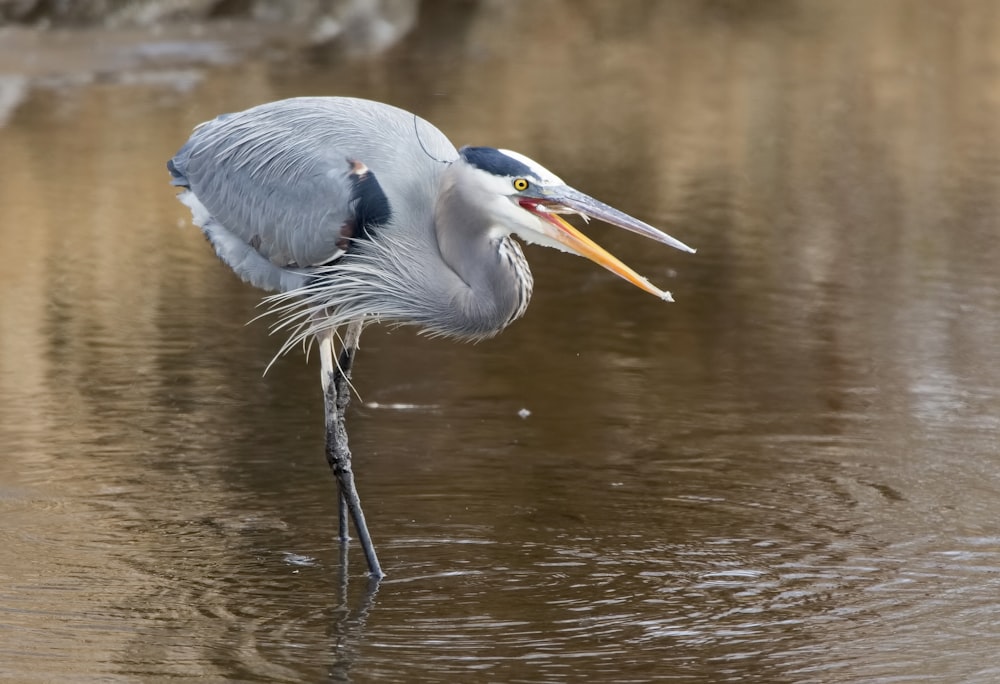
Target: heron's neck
column 490, row 264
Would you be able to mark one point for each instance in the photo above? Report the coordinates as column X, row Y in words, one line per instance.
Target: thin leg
column 327, row 376
column 343, row 517
column 337, row 395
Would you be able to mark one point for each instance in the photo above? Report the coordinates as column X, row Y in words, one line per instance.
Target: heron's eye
column 521, row 184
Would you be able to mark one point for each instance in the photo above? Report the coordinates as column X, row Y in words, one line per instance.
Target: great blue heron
column 356, row 211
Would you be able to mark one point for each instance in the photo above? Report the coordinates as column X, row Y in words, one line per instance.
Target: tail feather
column 179, row 179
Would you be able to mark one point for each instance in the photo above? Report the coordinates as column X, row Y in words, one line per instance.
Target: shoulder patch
column 370, row 209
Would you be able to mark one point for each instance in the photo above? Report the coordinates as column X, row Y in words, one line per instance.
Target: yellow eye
column 520, row 184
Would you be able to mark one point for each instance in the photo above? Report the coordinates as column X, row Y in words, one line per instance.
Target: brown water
column 792, row 474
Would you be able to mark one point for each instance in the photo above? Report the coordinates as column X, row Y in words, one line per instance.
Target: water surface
column 791, row 474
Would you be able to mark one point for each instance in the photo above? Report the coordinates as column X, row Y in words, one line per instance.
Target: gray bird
column 355, row 211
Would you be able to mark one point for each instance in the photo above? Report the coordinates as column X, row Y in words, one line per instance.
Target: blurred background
column 790, row 474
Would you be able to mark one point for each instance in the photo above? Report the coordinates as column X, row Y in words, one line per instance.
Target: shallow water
column 791, row 474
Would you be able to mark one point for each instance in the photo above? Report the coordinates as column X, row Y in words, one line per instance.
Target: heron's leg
column 343, row 517
column 334, row 418
column 337, row 395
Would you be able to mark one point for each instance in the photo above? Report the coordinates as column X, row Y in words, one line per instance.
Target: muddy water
column 791, row 474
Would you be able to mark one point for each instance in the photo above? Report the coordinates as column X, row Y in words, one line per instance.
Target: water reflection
column 789, row 475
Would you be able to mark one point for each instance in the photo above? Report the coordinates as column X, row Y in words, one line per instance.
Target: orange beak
column 565, row 199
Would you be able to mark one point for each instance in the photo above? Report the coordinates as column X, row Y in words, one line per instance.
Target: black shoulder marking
column 369, row 205
column 494, row 161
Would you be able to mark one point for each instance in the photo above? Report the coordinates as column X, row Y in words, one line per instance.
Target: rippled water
column 791, row 474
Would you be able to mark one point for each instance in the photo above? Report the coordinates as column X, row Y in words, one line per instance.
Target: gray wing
column 277, row 188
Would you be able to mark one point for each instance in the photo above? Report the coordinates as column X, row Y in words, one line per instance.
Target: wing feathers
column 285, row 179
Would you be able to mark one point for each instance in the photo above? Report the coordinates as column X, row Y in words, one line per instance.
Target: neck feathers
column 493, row 282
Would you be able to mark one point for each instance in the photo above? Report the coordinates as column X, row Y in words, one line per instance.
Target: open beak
column 552, row 201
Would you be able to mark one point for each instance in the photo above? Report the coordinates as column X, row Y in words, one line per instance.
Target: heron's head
column 527, row 199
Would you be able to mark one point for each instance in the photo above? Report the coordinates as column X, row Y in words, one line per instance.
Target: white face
column 506, row 186
column 509, row 216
